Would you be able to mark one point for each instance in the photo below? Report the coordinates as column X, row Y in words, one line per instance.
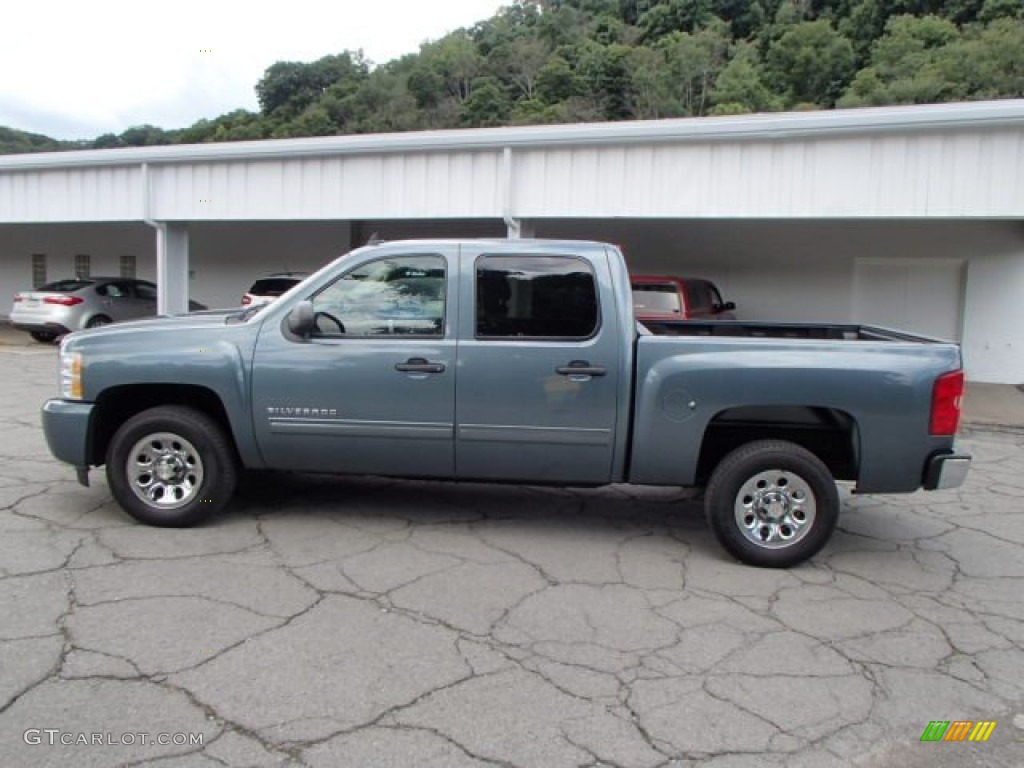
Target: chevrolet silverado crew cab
column 509, row 361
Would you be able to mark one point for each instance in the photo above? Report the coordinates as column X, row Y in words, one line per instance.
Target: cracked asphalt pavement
column 367, row 622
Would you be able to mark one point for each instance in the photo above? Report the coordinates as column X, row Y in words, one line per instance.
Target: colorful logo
column 958, row 730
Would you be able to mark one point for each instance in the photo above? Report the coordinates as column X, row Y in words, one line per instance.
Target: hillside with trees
column 563, row 61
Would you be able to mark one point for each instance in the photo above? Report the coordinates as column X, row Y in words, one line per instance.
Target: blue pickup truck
column 509, row 361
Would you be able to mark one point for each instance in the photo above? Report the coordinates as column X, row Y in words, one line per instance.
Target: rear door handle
column 580, row 368
column 419, row 365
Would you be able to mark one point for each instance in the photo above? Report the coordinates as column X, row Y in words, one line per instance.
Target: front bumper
column 946, row 471
column 66, row 425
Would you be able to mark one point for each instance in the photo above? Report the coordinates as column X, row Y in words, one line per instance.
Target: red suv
column 678, row 298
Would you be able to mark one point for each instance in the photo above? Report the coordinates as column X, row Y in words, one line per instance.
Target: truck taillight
column 18, row 297
column 246, row 300
column 946, row 396
column 64, row 301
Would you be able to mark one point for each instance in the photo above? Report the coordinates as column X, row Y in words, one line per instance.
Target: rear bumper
column 946, row 471
column 66, row 425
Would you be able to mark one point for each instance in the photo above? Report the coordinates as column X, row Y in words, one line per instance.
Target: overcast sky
column 73, row 69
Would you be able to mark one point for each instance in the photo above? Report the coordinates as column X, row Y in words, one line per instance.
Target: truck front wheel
column 171, row 466
column 772, row 503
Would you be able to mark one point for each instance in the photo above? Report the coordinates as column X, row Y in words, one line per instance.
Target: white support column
column 516, row 228
column 171, row 268
column 519, row 229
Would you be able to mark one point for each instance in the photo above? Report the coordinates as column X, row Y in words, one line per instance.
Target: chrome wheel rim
column 164, row 470
column 775, row 509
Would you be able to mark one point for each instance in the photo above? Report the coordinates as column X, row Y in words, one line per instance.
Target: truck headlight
column 70, row 375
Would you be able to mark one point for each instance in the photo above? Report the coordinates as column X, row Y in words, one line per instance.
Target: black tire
column 43, row 337
column 764, row 490
column 98, row 321
column 197, row 457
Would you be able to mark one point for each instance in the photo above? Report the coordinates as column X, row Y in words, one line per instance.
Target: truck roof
column 528, row 244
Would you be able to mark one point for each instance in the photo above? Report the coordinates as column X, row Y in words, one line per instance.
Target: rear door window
column 539, row 297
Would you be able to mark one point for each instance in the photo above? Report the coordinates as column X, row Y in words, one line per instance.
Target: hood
column 161, row 323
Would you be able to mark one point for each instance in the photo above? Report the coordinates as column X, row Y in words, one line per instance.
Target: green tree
column 740, row 86
column 608, row 30
column 288, row 88
column 1001, row 9
column 862, row 26
column 651, row 89
column 315, row 121
column 811, row 63
column 988, row 59
column 670, row 16
column 604, row 78
column 910, row 64
column 535, row 112
column 239, row 125
column 519, row 63
column 556, row 81
column 563, row 25
column 486, row 106
column 426, row 87
column 455, row 62
column 107, row 141
column 746, row 18
column 144, row 136
column 693, row 62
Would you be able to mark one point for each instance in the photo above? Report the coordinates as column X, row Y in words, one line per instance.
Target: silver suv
column 70, row 305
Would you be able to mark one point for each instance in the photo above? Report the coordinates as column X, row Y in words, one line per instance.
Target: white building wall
column 968, row 173
column 72, row 194
column 994, row 311
column 949, row 160
column 977, row 173
column 416, row 185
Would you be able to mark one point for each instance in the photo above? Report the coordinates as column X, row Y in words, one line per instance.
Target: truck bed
column 770, row 330
column 866, row 390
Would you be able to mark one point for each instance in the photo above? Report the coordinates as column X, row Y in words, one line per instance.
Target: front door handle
column 580, row 368
column 419, row 365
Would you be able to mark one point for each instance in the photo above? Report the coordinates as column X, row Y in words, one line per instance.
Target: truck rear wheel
column 772, row 503
column 171, row 466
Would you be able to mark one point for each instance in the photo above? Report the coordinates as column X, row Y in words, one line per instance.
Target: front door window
column 401, row 296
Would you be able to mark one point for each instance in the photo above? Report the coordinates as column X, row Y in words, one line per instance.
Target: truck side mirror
column 728, row 306
column 301, row 320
